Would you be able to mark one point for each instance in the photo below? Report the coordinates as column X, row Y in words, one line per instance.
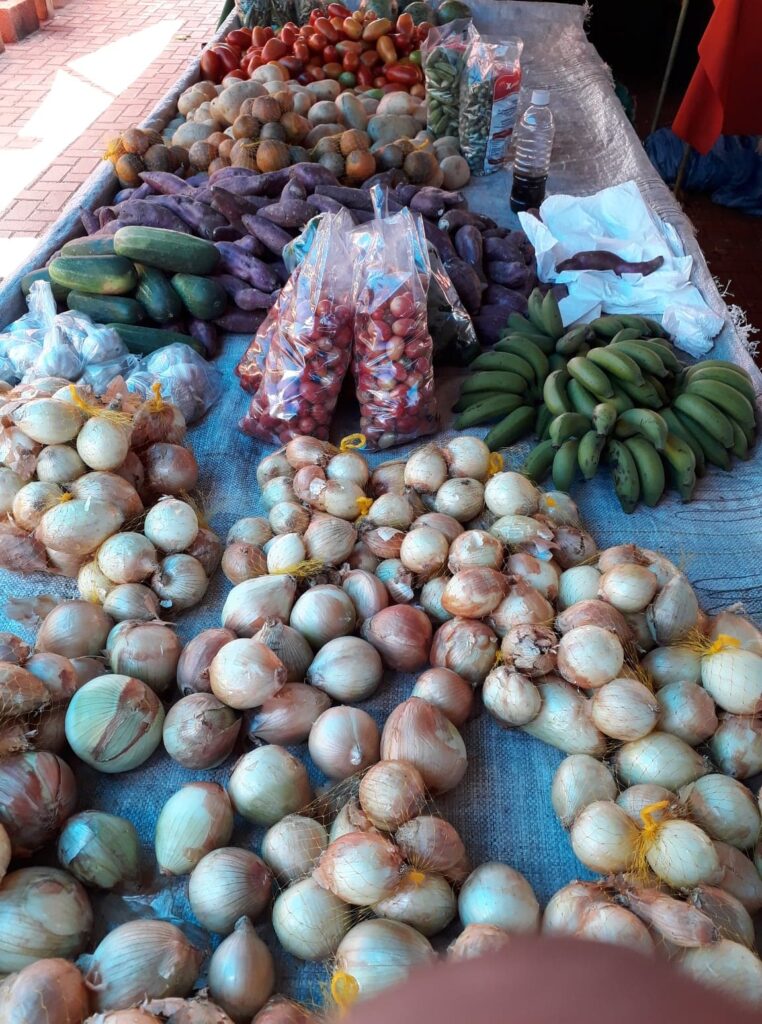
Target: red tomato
column 339, row 11
column 332, row 69
column 314, row 15
column 330, row 54
column 393, row 87
column 325, row 28
column 274, row 49
column 379, row 81
column 351, row 61
column 423, row 30
column 349, row 46
column 364, row 77
column 316, row 74
column 405, row 25
column 292, row 64
column 211, row 66
column 289, row 34
column 240, row 37
column 338, row 24
column 305, row 31
column 230, row 59
column 259, row 36
column 317, row 42
column 301, row 50
column 369, row 58
column 238, row 73
column 405, row 74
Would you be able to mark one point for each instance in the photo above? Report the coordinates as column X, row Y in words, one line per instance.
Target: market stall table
column 502, row 808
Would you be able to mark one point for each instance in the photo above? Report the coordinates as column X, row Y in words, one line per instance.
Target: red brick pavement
column 93, row 70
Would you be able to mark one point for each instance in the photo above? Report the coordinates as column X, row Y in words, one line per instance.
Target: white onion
column 447, row 691
column 267, row 784
column 292, row 846
column 672, row 665
column 323, row 613
column 736, row 746
column 79, row 526
column 432, row 844
column 478, row 940
column 250, row 530
column 589, row 656
column 431, row 599
column 424, row 551
column 475, row 548
column 604, row 837
column 580, row 583
column 727, row 913
column 725, row 810
column 425, row 902
column 658, row 758
column 616, row 925
column 284, row 552
column 180, row 582
column 244, row 674
column 271, row 466
column 580, row 780
column 739, row 876
column 92, row 584
column 375, row 955
column 564, row 720
column 277, row 490
column 725, row 624
column 682, row 854
column 530, row 649
column 196, row 819
column 228, row 884
column 10, row 484
column 440, row 522
column 734, row 679
column 542, row 575
column 674, row 612
column 624, row 709
column 687, row 711
column 467, row 456
column 287, row 517
column 360, row 868
column 497, row 894
column 566, row 908
column 461, row 498
column 509, row 494
column 418, row 732
column 366, row 591
column 250, row 604
column 391, row 510
column 510, row 697
column 148, row 651
column 171, row 525
column 630, row 588
column 343, row 741
column 48, row 421
column 392, row 792
column 523, row 605
column 241, row 973
column 102, row 444
column 131, row 601
column 559, row 508
column 310, row 921
column 635, row 798
column 348, row 466
column 729, row 967
column 465, row 646
column 425, row 470
column 32, row 501
column 127, row 558
column 289, row 645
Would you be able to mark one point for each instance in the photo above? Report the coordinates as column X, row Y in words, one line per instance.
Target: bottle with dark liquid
column 534, row 143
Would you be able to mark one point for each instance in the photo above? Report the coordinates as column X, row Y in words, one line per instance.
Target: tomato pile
column 357, row 49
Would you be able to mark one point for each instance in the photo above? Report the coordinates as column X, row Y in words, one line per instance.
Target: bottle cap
column 540, row 97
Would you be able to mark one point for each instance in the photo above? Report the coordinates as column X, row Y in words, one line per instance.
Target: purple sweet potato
column 200, row 178
column 352, row 198
column 206, row 333
column 202, row 219
column 252, row 246
column 507, row 249
column 512, row 274
column 164, row 182
column 238, row 321
column 232, row 285
column 293, row 213
column 495, row 294
column 429, row 202
column 489, row 322
column 235, row 261
column 147, row 214
column 496, row 233
column 226, row 173
column 281, row 271
column 310, row 176
column 467, row 283
column 252, row 298
column 440, row 240
column 123, row 195
column 324, row 204
column 267, row 233
column 468, row 245
column 106, row 214
column 405, row 193
column 225, row 233
column 90, row 222
column 293, row 189
column 202, row 194
column 388, row 179
column 457, row 218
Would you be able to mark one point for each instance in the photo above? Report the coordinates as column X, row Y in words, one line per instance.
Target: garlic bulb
column 432, row 844
column 589, row 657
column 288, row 717
column 401, row 635
column 447, row 691
column 724, row 809
column 580, row 583
column 510, row 697
column 541, row 575
column 228, row 884
column 658, row 758
column 629, row 588
column 425, row 470
column 348, row 669
column 343, row 741
column 635, row 798
column 474, row 549
column 328, row 539
column 180, row 582
column 196, row 819
column 241, row 562
column 244, row 674
column 360, row 868
column 733, row 677
column 418, row 732
column 127, row 558
column 392, row 792
column 462, row 498
column 284, row 552
column 114, row 723
column 250, row 530
column 148, row 651
column 682, row 855
column 523, row 605
column 74, row 629
column 465, row 646
column 196, row 659
column 323, row 613
column 727, row 966
column 252, row 603
column 37, row 794
column 624, row 709
column 172, row 525
column 141, row 960
column 424, row 551
column 100, row 849
column 497, row 894
column 44, row 912
column 736, row 746
column 686, row 711
column 241, row 973
column 425, row 903
column 530, row 649
column 267, row 784
column 310, row 921
column 377, row 954
column 509, row 494
column 292, row 846
column 604, row 837
column 200, row 731
column 366, row 591
column 580, row 780
column 564, row 720
column 53, row 987
column 674, row 612
column 478, row 940
column 102, row 444
column 130, row 601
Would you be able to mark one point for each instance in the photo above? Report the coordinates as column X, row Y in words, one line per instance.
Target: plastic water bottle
column 534, row 142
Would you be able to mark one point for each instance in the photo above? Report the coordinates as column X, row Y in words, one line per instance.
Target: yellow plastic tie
column 498, row 658
column 647, row 836
column 550, row 502
column 300, row 570
column 66, row 496
column 363, row 506
column 156, row 404
column 724, row 642
column 416, row 877
column 120, row 418
column 345, row 990
column 495, row 465
column 352, row 442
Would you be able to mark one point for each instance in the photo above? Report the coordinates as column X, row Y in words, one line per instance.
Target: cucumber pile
column 138, row 278
column 610, row 393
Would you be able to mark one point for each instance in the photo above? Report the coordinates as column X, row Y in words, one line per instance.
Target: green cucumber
column 28, row 280
column 101, row 246
column 167, row 250
column 106, row 309
column 96, row 275
column 156, row 294
column 203, row 298
column 143, row 340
